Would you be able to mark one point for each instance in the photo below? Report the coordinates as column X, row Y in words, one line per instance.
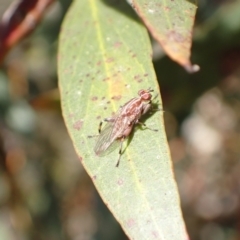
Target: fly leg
column 143, row 124
column 106, row 120
column 100, row 126
column 156, row 109
column 120, row 151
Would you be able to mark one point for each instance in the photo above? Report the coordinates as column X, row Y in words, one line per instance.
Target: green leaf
column 170, row 23
column 104, row 59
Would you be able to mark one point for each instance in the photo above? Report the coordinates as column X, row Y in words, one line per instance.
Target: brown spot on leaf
column 94, row 177
column 71, row 115
column 107, row 78
column 117, row 98
column 120, row 182
column 109, row 60
column 145, row 75
column 175, row 36
column 94, row 98
column 78, row 125
column 155, row 234
column 167, row 9
column 131, row 222
column 117, row 44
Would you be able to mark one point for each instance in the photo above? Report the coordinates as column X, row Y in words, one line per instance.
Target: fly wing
column 108, row 139
column 105, row 138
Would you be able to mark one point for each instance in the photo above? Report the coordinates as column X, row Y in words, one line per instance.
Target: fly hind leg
column 120, row 151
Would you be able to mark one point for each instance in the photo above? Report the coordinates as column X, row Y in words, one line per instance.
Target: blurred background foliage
column 44, row 191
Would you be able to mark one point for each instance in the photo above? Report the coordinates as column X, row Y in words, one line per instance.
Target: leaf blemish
column 117, row 44
column 71, row 115
column 117, row 98
column 94, row 177
column 167, row 9
column 94, row 98
column 174, row 36
column 120, row 182
column 78, row 125
column 105, row 79
column 130, row 223
column 109, row 60
column 155, row 234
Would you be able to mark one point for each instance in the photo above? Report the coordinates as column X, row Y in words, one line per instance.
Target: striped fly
column 121, row 124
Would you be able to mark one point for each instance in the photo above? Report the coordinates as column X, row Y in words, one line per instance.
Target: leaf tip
column 192, row 68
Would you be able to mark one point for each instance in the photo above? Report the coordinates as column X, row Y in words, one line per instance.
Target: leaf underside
column 170, row 23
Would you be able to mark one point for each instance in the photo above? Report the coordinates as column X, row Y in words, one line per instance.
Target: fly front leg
column 156, row 109
column 143, row 124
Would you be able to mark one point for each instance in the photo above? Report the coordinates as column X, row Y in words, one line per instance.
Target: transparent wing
column 105, row 139
column 108, row 139
column 114, row 145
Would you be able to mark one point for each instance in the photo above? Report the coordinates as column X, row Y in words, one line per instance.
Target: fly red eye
column 145, row 95
column 141, row 92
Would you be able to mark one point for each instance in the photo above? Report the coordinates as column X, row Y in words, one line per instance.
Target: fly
column 121, row 124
